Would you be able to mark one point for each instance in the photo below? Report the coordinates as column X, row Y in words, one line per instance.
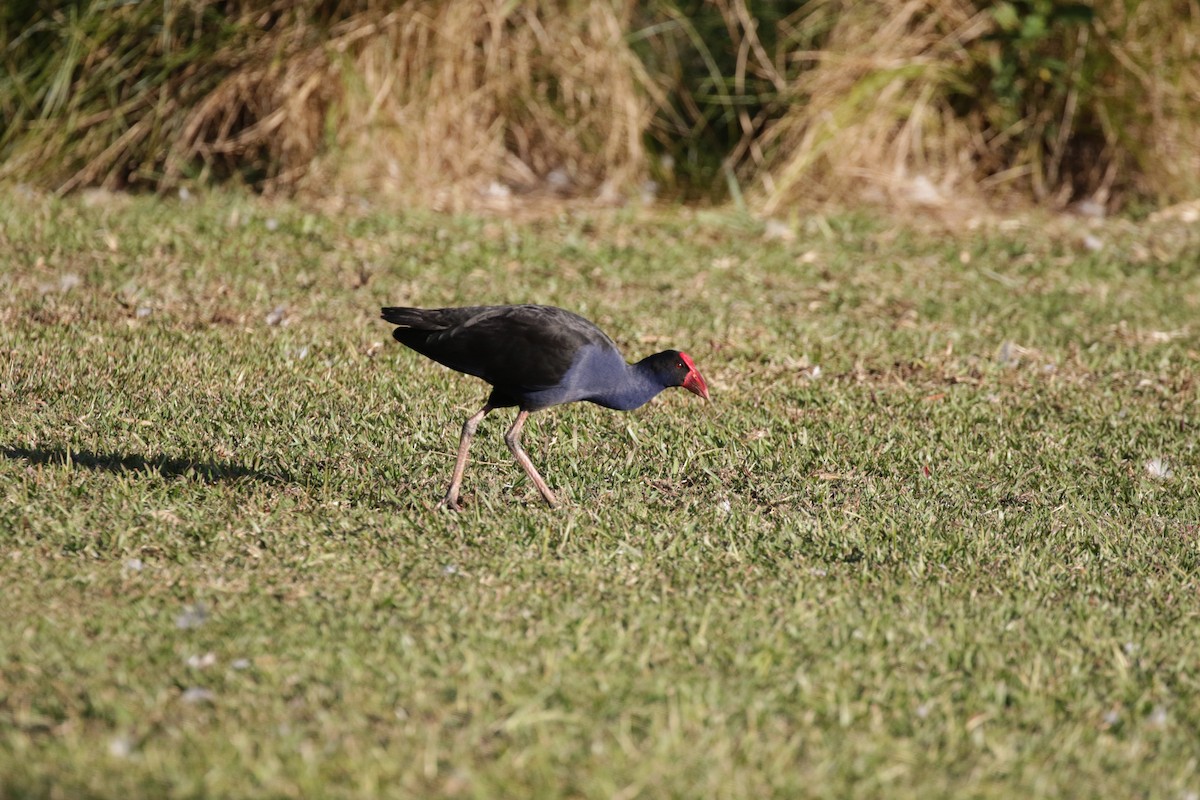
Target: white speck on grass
column 201, row 661
column 240, row 663
column 450, row 569
column 724, row 507
column 272, row 224
column 649, row 192
column 184, row 194
column 609, row 194
column 132, row 565
column 1158, row 718
column 193, row 616
column 143, row 312
column 497, row 191
column 277, row 315
column 775, row 230
column 299, row 353
column 120, row 747
column 1158, row 468
column 558, row 180
column 1009, row 354
column 68, row 282
column 1111, row 718
column 1130, row 648
column 923, row 711
column 922, row 192
column 196, row 694
column 1093, row 243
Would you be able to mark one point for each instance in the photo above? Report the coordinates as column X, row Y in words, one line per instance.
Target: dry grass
column 872, row 109
column 1155, row 97
column 878, row 113
column 269, row 110
column 928, row 102
column 454, row 98
column 447, row 96
column 142, row 95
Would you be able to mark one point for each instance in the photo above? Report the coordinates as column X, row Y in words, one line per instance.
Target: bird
column 535, row 357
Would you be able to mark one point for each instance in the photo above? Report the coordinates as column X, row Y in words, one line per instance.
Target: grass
column 938, row 565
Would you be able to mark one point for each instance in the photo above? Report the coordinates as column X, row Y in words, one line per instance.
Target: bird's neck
column 634, row 387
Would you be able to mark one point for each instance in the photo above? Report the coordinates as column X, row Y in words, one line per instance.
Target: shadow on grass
column 206, row 471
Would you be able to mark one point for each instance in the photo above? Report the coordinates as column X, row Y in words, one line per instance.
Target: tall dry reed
column 455, row 103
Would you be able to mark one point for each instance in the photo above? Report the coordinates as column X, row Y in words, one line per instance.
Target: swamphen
column 535, row 357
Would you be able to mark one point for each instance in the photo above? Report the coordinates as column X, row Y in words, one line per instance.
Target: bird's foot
column 452, row 503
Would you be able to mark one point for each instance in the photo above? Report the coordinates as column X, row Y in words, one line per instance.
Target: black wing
column 519, row 348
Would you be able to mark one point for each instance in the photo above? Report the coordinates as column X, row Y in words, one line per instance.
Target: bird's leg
column 513, row 440
column 460, row 464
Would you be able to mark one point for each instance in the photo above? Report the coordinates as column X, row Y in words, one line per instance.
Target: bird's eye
column 679, row 365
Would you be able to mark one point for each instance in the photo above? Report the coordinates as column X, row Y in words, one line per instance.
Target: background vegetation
column 447, row 103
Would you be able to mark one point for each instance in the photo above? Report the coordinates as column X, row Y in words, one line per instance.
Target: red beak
column 694, row 383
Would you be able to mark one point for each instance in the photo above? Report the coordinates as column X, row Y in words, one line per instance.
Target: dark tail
column 408, row 317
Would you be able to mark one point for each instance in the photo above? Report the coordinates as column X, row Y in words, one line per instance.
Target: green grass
column 938, row 566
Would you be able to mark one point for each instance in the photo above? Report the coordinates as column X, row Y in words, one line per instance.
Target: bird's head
column 677, row 369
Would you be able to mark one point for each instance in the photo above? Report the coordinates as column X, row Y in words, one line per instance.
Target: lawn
column 936, row 535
